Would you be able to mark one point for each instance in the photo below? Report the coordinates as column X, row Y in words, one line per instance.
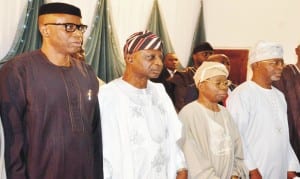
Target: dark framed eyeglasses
column 70, row 27
column 220, row 84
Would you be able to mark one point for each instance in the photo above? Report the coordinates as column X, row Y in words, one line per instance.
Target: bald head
column 220, row 58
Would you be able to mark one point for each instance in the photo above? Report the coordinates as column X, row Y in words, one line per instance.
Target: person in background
column 171, row 64
column 260, row 112
column 223, row 59
column 212, row 143
column 289, row 84
column 140, row 126
column 183, row 87
column 49, row 106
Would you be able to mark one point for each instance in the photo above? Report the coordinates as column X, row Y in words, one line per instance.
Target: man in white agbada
column 260, row 111
column 212, row 144
column 2, row 163
column 140, row 126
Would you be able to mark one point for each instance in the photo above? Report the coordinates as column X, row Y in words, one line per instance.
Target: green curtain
column 157, row 25
column 102, row 48
column 27, row 37
column 199, row 34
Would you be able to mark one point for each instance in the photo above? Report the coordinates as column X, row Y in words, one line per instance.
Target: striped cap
column 144, row 40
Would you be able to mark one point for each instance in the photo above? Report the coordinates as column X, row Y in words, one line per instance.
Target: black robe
column 51, row 119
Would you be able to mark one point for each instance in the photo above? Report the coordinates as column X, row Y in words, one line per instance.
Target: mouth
column 77, row 44
column 223, row 95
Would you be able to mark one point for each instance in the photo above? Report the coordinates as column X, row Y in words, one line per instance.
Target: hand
column 254, row 174
column 183, row 174
column 291, row 174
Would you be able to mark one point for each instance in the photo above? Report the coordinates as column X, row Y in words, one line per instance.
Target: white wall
column 229, row 23
column 241, row 23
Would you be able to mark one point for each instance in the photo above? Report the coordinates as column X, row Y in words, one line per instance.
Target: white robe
column 140, row 131
column 2, row 163
column 261, row 116
column 212, row 143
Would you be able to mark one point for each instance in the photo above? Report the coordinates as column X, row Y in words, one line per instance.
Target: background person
column 289, row 84
column 183, row 87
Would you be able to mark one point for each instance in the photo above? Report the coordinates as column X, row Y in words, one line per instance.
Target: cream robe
column 140, row 131
column 261, row 116
column 212, row 144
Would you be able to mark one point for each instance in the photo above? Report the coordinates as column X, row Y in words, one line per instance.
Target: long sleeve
column 240, row 113
column 239, row 168
column 293, row 162
column 12, row 109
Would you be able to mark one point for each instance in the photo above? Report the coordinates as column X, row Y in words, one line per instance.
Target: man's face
column 171, row 61
column 146, row 63
column 214, row 89
column 202, row 56
column 56, row 36
column 271, row 69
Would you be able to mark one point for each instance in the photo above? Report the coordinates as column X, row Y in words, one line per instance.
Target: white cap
column 265, row 51
column 209, row 69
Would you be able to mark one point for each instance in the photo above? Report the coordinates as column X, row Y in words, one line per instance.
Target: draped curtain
column 102, row 48
column 199, row 34
column 28, row 37
column 156, row 24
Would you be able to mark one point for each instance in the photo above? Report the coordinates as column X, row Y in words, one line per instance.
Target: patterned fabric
column 264, row 51
column 143, row 40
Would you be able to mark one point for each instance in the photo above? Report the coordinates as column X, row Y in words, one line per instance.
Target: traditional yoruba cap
column 203, row 46
column 265, row 51
column 59, row 8
column 208, row 70
column 144, row 40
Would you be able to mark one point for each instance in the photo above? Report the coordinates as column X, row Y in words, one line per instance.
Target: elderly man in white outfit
column 140, row 127
column 260, row 111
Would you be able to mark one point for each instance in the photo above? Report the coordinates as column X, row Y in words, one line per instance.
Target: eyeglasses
column 278, row 62
column 70, row 27
column 220, row 84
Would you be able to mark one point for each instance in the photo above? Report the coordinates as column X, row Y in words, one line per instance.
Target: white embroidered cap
column 265, row 51
column 209, row 69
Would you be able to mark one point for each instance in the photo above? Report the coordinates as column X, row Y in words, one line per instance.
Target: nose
column 158, row 61
column 223, row 86
column 78, row 33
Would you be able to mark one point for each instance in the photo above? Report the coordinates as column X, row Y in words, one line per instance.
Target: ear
column 44, row 31
column 128, row 58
